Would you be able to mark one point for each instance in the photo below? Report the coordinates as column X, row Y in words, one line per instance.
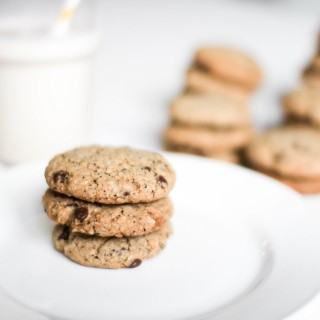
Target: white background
column 147, row 45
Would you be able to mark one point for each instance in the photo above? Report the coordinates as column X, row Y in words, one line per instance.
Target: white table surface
column 147, row 45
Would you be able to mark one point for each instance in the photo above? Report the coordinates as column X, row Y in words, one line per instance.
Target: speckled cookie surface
column 291, row 152
column 209, row 111
column 110, row 175
column 202, row 82
column 303, row 104
column 111, row 252
column 230, row 64
column 207, row 140
column 107, row 220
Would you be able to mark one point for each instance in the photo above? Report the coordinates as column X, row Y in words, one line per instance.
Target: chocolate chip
column 81, row 213
column 126, row 193
column 60, row 176
column 147, row 168
column 135, row 263
column 65, row 233
column 162, row 179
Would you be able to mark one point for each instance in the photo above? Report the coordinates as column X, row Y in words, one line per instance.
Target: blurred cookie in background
column 212, row 126
column 212, row 111
column 224, row 71
column 212, row 117
column 302, row 106
column 198, row 81
column 311, row 74
column 290, row 154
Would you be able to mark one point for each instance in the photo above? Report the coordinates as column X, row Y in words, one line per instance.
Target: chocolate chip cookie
column 110, row 175
column 104, row 252
column 290, row 154
column 107, row 220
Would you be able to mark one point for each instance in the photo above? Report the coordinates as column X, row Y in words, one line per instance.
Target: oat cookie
column 303, row 105
column 209, row 111
column 101, row 252
column 288, row 152
column 230, row 65
column 207, row 140
column 107, row 220
column 110, row 175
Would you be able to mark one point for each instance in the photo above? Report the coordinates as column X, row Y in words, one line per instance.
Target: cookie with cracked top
column 110, row 175
column 123, row 220
column 113, row 253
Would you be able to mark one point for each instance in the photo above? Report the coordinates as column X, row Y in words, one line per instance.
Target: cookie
column 110, row 175
column 303, row 106
column 207, row 140
column 213, row 111
column 230, row 65
column 202, row 82
column 311, row 74
column 107, row 220
column 113, row 253
column 228, row 156
column 304, row 186
column 289, row 153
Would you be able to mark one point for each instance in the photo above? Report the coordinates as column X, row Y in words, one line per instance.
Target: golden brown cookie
column 207, row 141
column 202, row 82
column 213, row 111
column 110, row 175
column 112, row 253
column 291, row 154
column 123, row 220
column 230, row 65
column 303, row 106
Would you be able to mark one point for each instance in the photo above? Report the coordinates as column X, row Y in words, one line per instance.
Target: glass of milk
column 44, row 88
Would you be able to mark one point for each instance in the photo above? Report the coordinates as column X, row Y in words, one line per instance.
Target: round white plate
column 244, row 247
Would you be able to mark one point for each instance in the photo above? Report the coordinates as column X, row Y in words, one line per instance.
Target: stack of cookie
column 223, row 71
column 208, row 125
column 212, row 117
column 291, row 154
column 111, row 205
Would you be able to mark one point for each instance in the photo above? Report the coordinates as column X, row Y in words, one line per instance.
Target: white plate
column 244, row 247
